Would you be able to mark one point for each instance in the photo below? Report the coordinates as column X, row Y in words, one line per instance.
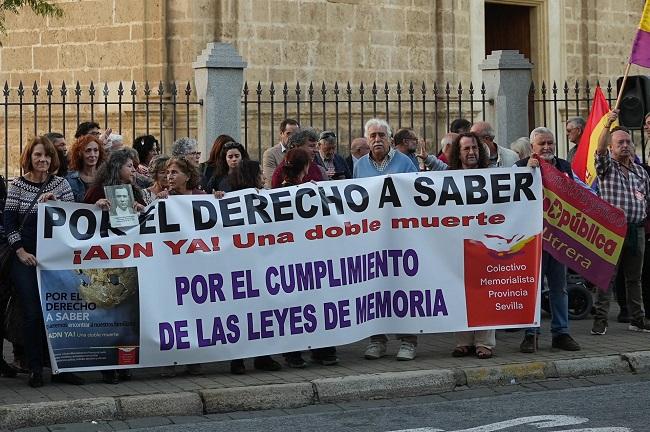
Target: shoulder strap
column 33, row 202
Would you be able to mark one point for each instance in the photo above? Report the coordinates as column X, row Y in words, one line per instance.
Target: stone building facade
column 108, row 41
column 304, row 40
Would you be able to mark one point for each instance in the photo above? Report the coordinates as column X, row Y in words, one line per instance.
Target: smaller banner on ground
column 581, row 230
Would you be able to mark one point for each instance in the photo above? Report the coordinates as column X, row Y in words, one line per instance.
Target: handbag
column 6, row 251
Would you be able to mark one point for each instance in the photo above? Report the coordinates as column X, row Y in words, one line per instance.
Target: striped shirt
column 19, row 196
column 623, row 187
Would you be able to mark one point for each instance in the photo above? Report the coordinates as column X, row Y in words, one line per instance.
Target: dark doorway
column 507, row 28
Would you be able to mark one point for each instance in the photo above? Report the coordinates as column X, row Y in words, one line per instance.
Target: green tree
column 40, row 7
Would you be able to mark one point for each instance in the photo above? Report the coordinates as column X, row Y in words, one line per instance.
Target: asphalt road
column 595, row 408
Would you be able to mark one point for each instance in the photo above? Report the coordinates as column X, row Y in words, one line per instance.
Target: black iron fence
column 169, row 111
column 344, row 108
column 552, row 107
column 166, row 111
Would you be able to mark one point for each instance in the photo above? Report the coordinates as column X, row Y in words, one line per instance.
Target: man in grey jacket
column 499, row 156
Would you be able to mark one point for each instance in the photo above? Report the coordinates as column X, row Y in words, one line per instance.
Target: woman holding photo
column 119, row 169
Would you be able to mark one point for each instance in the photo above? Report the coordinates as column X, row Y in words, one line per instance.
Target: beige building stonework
column 382, row 41
column 308, row 40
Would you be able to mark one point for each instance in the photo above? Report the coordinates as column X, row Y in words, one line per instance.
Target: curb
column 324, row 390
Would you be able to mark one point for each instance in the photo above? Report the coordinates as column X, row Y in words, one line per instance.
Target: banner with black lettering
column 202, row 279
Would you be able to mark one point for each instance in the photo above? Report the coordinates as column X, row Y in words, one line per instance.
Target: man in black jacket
column 327, row 157
column 542, row 141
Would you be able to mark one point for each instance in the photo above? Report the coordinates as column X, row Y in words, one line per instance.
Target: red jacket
column 314, row 174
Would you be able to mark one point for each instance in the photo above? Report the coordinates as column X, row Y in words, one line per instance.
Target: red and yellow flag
column 584, row 160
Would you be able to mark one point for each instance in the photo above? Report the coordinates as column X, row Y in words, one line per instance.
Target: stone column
column 219, row 77
column 507, row 76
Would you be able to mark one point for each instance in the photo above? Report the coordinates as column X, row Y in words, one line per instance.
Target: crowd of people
column 99, row 158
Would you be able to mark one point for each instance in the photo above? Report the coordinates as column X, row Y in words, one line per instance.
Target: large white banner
column 203, row 279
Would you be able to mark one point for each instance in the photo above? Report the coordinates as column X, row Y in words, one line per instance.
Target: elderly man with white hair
column 384, row 159
column 542, row 142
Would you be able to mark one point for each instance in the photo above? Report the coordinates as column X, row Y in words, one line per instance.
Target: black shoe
column 124, row 375
column 237, row 367
column 35, row 379
column 295, row 361
column 326, row 360
column 6, row 370
column 68, row 378
column 110, row 377
column 266, row 363
column 565, row 342
column 529, row 344
column 599, row 327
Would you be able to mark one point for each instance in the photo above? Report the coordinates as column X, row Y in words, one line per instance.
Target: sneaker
column 565, row 342
column 375, row 350
column 326, row 360
column 194, row 369
column 266, row 363
column 599, row 327
column 639, row 325
column 295, row 361
column 529, row 345
column 406, row 351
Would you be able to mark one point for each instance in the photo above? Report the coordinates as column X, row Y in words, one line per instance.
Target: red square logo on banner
column 501, row 281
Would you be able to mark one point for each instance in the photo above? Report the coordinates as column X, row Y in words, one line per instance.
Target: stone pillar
column 219, row 77
column 507, row 76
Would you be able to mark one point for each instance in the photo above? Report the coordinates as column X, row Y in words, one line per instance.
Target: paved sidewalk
column 219, row 391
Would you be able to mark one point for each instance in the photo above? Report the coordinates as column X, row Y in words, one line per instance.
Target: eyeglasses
column 231, row 145
column 95, row 133
column 326, row 134
column 195, row 153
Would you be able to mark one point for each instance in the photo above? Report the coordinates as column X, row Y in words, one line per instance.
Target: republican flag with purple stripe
column 641, row 46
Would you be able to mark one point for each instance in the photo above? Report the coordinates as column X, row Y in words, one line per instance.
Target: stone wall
column 98, row 40
column 599, row 37
column 288, row 40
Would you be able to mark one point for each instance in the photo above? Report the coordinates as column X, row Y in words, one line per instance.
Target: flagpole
column 620, row 91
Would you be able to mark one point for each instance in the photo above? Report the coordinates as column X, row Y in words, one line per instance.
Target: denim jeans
column 26, row 287
column 555, row 274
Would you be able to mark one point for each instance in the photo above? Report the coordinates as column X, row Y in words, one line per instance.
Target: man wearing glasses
column 499, row 156
column 327, row 157
column 407, row 142
column 574, row 128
